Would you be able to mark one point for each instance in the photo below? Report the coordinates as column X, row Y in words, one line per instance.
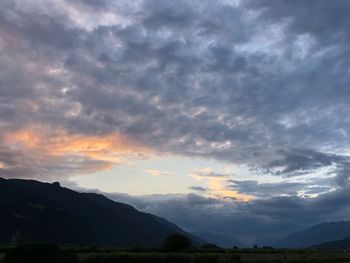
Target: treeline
column 40, row 253
column 176, row 248
column 43, row 253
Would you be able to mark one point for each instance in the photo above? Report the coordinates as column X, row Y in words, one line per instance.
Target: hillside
column 44, row 212
column 317, row 234
column 335, row 245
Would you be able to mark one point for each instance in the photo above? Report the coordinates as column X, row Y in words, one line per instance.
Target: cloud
column 259, row 84
column 217, row 183
column 331, row 28
column 260, row 220
column 207, row 172
column 198, row 188
column 267, row 189
column 155, row 172
column 300, row 161
column 41, row 152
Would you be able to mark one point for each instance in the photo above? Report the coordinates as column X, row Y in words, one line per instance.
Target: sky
column 234, row 113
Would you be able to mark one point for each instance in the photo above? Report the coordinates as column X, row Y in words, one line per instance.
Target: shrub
column 33, row 253
column 177, row 242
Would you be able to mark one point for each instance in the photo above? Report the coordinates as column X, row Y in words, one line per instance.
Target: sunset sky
column 234, row 113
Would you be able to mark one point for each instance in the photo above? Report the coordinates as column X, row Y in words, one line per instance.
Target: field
column 211, row 256
column 220, row 257
column 314, row 257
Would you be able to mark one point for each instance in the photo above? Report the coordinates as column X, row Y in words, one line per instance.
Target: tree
column 177, row 242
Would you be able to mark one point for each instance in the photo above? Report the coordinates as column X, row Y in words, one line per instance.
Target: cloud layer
column 262, row 84
column 261, row 221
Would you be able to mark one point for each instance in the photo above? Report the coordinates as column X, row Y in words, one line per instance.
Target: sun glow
column 216, row 183
column 59, row 142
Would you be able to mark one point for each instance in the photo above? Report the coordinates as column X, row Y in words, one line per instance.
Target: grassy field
column 331, row 257
column 296, row 257
column 212, row 257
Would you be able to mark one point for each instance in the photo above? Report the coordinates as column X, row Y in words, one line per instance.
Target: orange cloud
column 216, row 184
column 109, row 148
column 2, row 165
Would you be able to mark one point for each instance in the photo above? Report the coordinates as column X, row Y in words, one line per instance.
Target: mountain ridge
column 335, row 245
column 317, row 234
column 47, row 212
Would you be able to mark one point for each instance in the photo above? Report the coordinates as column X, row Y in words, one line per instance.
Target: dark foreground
column 99, row 255
column 217, row 257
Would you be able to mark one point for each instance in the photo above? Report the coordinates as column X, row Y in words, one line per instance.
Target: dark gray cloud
column 302, row 174
column 208, row 173
column 330, row 29
column 266, row 189
column 296, row 161
column 198, row 188
column 177, row 80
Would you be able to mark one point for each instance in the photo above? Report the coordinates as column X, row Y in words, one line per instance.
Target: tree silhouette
column 177, row 242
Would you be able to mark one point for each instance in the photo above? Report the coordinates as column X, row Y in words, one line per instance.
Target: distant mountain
column 335, row 245
column 221, row 240
column 321, row 233
column 44, row 212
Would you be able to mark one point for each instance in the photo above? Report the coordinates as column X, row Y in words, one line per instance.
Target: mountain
column 221, row 240
column 335, row 245
column 317, row 234
column 44, row 212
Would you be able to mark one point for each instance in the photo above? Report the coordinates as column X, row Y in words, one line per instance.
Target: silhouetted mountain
column 44, row 212
column 317, row 234
column 336, row 245
column 221, row 240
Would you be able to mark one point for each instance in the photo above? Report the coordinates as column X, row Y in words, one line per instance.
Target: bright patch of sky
column 161, row 175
